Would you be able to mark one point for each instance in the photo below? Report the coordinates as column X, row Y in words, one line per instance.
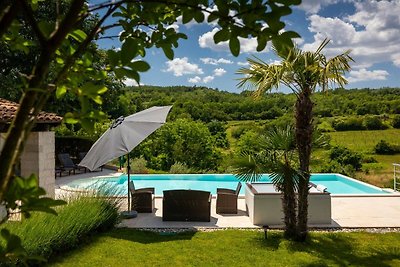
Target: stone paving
column 347, row 212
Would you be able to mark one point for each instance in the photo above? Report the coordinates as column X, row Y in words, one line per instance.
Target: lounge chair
column 227, row 200
column 186, row 205
column 142, row 200
column 68, row 165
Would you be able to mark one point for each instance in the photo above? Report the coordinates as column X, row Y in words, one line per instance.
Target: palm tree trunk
column 303, row 132
column 289, row 209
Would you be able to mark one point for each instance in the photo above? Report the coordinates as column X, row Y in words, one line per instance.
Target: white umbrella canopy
column 124, row 135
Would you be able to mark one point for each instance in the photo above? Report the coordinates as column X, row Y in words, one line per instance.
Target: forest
column 208, row 128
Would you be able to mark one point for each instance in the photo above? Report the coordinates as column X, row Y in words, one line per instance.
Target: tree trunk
column 289, row 209
column 303, row 132
column 33, row 100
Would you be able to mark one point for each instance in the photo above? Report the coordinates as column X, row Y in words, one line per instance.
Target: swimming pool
column 336, row 184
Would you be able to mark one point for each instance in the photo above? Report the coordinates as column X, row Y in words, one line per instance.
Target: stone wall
column 38, row 157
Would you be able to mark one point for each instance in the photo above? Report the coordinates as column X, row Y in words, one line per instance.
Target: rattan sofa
column 186, row 205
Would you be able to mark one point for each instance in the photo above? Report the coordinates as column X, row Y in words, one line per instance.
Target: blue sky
column 370, row 28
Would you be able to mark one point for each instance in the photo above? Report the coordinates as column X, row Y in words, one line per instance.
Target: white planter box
column 264, row 205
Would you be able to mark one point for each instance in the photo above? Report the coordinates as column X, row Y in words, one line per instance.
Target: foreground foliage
column 127, row 247
column 45, row 234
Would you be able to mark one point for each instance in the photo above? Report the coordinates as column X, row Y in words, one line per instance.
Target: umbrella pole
column 129, row 180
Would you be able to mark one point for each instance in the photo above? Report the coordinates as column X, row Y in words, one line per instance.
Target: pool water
column 335, row 183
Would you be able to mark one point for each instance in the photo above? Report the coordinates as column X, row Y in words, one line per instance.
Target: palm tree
column 303, row 72
column 277, row 157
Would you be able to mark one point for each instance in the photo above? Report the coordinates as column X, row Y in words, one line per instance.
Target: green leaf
column 169, row 53
column 140, row 66
column 199, row 16
column 187, row 16
column 30, row 196
column 61, row 91
column 213, row 16
column 70, row 118
column 262, row 43
column 222, row 35
column 88, row 125
column 129, row 50
column 46, row 27
column 133, row 74
column 234, row 46
column 290, row 35
column 91, row 89
column 78, row 35
column 113, row 57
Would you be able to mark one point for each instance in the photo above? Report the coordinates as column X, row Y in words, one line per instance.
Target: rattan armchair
column 227, row 200
column 142, row 200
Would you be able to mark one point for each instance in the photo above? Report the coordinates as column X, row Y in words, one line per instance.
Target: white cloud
column 219, row 72
column 198, row 79
column 372, row 32
column 208, row 79
column 181, row 66
column 195, row 79
column 396, row 59
column 131, row 82
column 313, row 6
column 367, row 75
column 243, row 63
column 247, row 45
column 214, row 61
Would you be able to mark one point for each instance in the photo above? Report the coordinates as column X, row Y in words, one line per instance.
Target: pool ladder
column 396, row 174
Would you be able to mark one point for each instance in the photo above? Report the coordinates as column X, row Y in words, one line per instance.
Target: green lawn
column 379, row 174
column 365, row 141
column 128, row 247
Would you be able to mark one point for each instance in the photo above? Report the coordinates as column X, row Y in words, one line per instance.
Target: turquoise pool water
column 335, row 183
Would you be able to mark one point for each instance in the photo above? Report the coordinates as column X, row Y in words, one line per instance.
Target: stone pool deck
column 347, row 212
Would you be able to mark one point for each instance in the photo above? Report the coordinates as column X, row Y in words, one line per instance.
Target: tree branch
column 26, row 8
column 82, row 46
column 106, row 4
column 108, row 37
column 32, row 101
column 8, row 16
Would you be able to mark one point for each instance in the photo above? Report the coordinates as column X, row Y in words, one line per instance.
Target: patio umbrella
column 124, row 134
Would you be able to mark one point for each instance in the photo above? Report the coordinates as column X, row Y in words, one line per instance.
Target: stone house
column 39, row 152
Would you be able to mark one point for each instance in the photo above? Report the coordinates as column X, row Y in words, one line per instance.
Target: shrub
column 350, row 124
column 239, row 131
column 138, row 165
column 344, row 157
column 396, row 122
column 44, row 234
column 178, row 167
column 249, row 142
column 218, row 131
column 325, row 126
column 384, row 148
column 280, row 122
column 374, row 123
column 335, row 167
column 189, row 142
column 369, row 159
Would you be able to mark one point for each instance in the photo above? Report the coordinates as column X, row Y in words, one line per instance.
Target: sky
column 371, row 29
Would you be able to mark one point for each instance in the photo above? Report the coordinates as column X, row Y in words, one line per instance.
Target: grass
column 45, row 234
column 128, row 247
column 381, row 173
column 365, row 141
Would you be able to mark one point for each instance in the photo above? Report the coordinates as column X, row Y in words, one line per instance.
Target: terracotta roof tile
column 8, row 110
